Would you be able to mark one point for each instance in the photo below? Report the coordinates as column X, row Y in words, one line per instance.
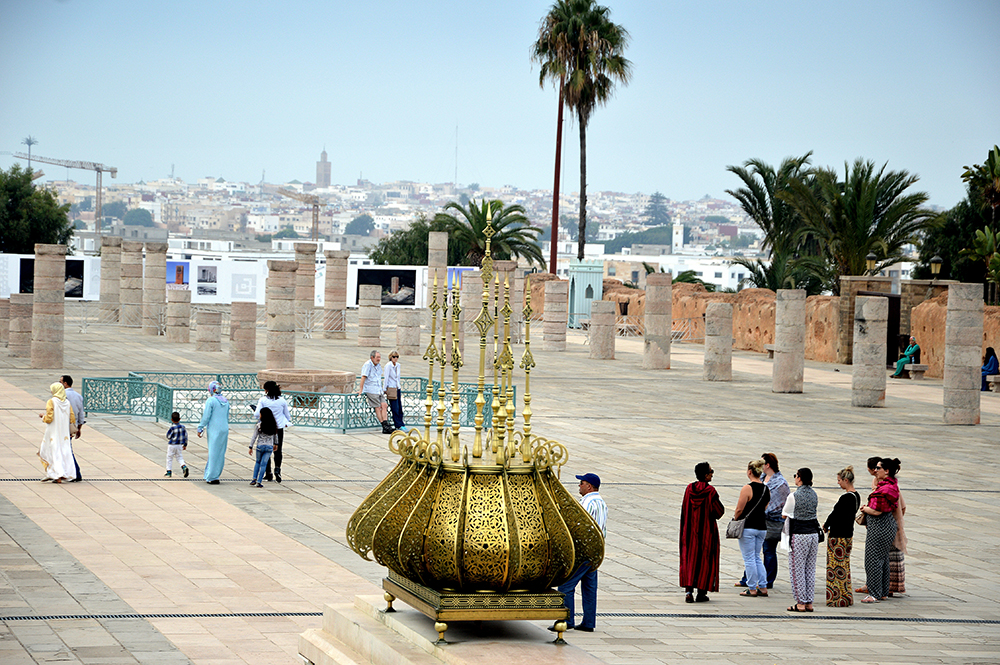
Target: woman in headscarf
column 699, row 536
column 907, row 358
column 882, row 527
column 56, row 452
column 215, row 421
column 991, row 366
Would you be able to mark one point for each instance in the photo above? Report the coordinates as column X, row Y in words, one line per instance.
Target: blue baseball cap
column 590, row 478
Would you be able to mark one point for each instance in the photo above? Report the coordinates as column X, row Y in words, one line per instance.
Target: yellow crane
column 87, row 166
column 304, row 198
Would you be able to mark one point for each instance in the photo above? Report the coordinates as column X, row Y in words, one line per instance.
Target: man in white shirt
column 371, row 387
column 594, row 504
column 76, row 403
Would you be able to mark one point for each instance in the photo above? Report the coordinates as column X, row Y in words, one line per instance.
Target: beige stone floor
column 138, row 543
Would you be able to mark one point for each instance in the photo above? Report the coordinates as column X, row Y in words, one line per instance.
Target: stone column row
column 335, row 296
column 130, row 289
column 408, row 332
column 19, row 336
column 658, row 321
column 963, row 346
column 789, row 341
column 178, row 316
column 111, row 256
column 871, row 317
column 4, row 320
column 555, row 317
column 154, row 287
column 49, row 307
column 281, row 314
column 208, row 336
column 243, row 331
column 370, row 315
column 602, row 329
column 718, row 342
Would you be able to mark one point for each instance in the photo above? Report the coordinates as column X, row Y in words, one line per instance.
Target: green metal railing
column 157, row 395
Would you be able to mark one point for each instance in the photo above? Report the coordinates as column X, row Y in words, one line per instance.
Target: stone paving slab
column 642, row 431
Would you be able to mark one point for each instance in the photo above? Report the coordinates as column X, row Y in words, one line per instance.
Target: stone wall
column 928, row 326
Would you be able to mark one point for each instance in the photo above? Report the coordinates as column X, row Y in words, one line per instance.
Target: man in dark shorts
column 371, row 388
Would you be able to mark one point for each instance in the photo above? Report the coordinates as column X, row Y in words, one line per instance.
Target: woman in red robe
column 699, row 536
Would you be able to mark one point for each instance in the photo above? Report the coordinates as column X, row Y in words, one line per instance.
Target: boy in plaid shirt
column 177, row 440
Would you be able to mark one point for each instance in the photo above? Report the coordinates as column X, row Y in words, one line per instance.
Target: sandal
column 747, row 594
column 869, row 599
column 795, row 608
column 761, row 594
column 861, row 589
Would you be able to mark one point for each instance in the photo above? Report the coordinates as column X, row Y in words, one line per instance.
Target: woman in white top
column 392, row 387
column 273, row 400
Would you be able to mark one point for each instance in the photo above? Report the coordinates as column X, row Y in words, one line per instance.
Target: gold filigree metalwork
column 482, row 536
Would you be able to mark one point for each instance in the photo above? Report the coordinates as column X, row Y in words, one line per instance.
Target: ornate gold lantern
column 469, row 538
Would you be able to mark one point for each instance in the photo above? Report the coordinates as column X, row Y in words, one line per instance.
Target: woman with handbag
column 803, row 527
column 393, row 390
column 839, row 527
column 881, row 529
column 749, row 519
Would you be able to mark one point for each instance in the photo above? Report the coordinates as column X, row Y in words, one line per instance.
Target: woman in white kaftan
column 56, row 452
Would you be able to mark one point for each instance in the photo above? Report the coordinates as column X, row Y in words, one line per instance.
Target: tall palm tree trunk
column 582, row 240
column 555, row 188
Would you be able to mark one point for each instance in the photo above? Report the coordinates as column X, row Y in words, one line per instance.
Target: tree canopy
column 138, row 217
column 985, row 180
column 116, row 209
column 658, row 235
column 583, row 51
column 656, row 213
column 513, row 234
column 361, row 225
column 287, row 232
column 954, row 233
column 29, row 215
column 409, row 247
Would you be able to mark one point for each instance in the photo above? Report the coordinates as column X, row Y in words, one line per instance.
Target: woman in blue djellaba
column 215, row 423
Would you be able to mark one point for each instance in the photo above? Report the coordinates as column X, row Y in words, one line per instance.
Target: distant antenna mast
column 262, row 172
column 171, row 171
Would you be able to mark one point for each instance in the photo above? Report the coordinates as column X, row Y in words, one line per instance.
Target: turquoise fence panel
column 201, row 380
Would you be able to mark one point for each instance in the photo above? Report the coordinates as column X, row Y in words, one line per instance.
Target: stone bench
column 994, row 382
column 770, row 351
column 916, row 372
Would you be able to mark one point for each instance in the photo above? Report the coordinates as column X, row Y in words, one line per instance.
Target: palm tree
column 985, row 178
column 580, row 47
column 781, row 272
column 869, row 212
column 513, row 236
column 759, row 199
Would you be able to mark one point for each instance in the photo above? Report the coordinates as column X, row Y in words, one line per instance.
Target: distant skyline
column 233, row 89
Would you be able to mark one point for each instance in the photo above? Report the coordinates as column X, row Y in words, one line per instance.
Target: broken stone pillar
column 508, row 271
column 49, row 307
column 437, row 260
column 178, row 316
column 602, row 329
column 243, row 331
column 208, row 336
column 370, row 316
column 154, row 287
column 555, row 317
column 408, row 332
column 4, row 320
column 871, row 320
column 111, row 272
column 305, row 276
column 472, row 304
column 130, row 285
column 281, row 314
column 19, row 335
column 657, row 321
column 335, row 294
column 718, row 341
column 963, row 348
column 789, row 341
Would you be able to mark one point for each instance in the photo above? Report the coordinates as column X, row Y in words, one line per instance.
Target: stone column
column 154, row 287
column 871, row 315
column 437, row 259
column 963, row 348
column 850, row 286
column 602, row 329
column 789, row 341
column 19, row 335
column 555, row 316
column 370, row 316
column 335, row 294
column 208, row 336
column 4, row 320
column 178, row 316
column 48, row 313
column 281, row 314
column 719, row 341
column 472, row 304
column 305, row 276
column 658, row 321
column 408, row 332
column 130, row 289
column 508, row 271
column 111, row 272
column 243, row 331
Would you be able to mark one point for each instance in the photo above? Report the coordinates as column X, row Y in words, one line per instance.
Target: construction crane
column 87, row 166
column 305, row 198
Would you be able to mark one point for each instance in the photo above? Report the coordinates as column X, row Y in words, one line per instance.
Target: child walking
column 264, row 435
column 177, row 440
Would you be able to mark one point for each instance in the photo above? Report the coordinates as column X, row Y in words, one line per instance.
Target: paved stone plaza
column 127, row 543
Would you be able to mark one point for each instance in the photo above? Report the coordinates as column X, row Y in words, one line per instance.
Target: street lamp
column 936, row 266
column 870, row 260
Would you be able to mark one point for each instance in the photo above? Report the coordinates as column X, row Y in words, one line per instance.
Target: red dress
column 699, row 537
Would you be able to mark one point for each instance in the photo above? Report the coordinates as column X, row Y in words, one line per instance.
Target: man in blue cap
column 592, row 502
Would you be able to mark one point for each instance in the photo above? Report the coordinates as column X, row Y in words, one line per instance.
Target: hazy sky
column 233, row 88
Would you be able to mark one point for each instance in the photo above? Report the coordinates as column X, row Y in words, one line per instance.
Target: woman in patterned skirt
column 839, row 527
column 881, row 529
